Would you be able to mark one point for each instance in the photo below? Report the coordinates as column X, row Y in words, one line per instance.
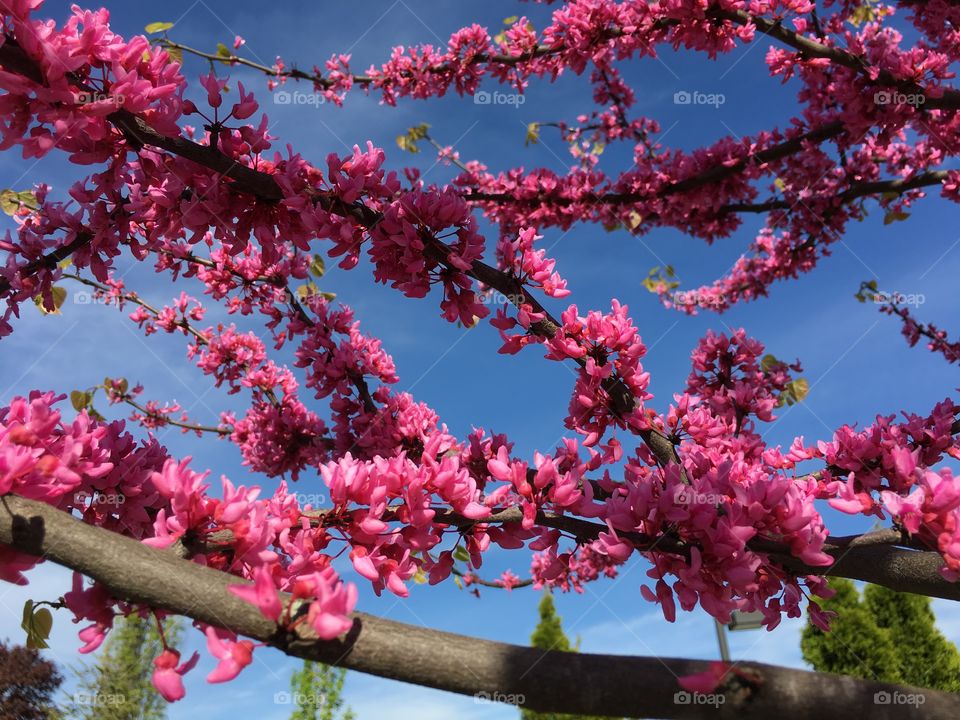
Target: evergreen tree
column 318, row 693
column 927, row 658
column 884, row 635
column 549, row 635
column 118, row 687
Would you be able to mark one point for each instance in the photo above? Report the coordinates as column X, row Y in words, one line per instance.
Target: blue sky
column 856, row 362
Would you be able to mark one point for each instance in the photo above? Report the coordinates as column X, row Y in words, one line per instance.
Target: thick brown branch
column 579, row 683
column 857, row 557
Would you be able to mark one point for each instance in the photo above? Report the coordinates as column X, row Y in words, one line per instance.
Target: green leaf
column 37, row 624
column 11, row 200
column 59, row 295
column 120, row 384
column 895, row 216
column 420, row 577
column 457, row 582
column 27, row 615
column 867, row 291
column 404, row 143
column 461, row 554
column 768, row 361
column 866, row 13
column 80, row 399
column 408, row 141
column 533, row 134
column 156, row 27
column 510, row 20
column 657, row 281
column 176, row 54
column 779, row 184
column 794, row 392
column 317, row 266
column 801, row 388
column 223, row 51
column 43, row 623
column 307, row 290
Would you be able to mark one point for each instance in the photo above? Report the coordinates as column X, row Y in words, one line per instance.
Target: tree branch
column 860, row 557
column 944, row 97
column 546, row 681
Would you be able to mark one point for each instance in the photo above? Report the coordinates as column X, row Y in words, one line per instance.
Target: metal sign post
column 738, row 621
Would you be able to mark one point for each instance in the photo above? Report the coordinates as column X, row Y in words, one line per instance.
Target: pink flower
column 214, row 87
column 333, row 601
column 167, row 676
column 263, row 593
column 707, row 681
column 907, row 510
column 247, row 105
column 233, row 656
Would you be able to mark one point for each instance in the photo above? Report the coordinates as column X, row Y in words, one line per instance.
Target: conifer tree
column 927, row 658
column 882, row 635
column 549, row 635
column 318, row 693
column 118, row 687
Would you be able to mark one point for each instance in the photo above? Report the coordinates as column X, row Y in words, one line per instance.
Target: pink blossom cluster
column 891, row 467
column 406, row 496
column 101, row 473
column 531, row 266
column 407, row 255
column 936, row 339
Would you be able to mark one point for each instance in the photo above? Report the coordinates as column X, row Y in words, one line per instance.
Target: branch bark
column 874, row 557
column 579, row 683
column 944, row 97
